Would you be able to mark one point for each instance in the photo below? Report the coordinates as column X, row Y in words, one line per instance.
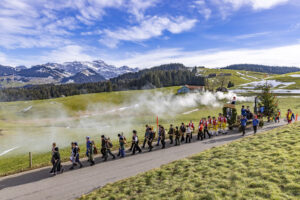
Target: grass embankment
column 265, row 166
column 237, row 77
column 289, row 78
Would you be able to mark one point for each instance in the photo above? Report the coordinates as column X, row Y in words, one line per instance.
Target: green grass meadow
column 264, row 166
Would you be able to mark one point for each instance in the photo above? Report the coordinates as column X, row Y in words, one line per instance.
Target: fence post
column 30, row 160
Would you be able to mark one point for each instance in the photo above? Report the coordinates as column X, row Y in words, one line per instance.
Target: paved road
column 38, row 185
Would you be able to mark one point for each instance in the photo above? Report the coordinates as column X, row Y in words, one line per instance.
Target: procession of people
column 206, row 129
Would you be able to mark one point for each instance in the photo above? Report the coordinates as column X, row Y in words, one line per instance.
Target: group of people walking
column 207, row 128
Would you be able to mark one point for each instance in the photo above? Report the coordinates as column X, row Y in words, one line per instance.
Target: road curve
column 38, row 184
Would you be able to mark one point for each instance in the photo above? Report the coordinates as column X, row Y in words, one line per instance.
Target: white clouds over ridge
column 284, row 56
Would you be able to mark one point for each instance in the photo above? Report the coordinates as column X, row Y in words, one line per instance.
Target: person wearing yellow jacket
column 290, row 116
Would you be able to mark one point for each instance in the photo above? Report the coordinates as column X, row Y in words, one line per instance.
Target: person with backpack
column 290, row 116
column 136, row 146
column 177, row 136
column 182, row 131
column 109, row 145
column 255, row 123
column 122, row 143
column 103, row 148
column 243, row 124
column 90, row 150
column 57, row 167
column 146, row 136
column 75, row 155
column 150, row 138
column 162, row 136
column 171, row 133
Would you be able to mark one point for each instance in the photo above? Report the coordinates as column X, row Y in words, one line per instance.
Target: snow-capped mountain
column 99, row 66
column 42, row 71
column 68, row 72
column 85, row 76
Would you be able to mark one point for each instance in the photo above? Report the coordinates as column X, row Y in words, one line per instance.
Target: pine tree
column 268, row 100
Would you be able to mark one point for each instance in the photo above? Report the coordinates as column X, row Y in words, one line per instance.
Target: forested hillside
column 263, row 68
column 161, row 76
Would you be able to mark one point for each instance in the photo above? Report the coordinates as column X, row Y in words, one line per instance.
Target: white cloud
column 25, row 23
column 151, row 27
column 255, row 4
column 226, row 7
column 202, row 8
column 284, row 56
column 65, row 54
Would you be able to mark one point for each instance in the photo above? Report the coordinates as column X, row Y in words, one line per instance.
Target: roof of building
column 194, row 87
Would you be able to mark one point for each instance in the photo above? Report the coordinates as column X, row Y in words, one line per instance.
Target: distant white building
column 190, row 88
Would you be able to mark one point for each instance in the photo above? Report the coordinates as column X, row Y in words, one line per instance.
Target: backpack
column 95, row 150
column 109, row 144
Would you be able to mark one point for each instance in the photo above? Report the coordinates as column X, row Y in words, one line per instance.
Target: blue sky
column 144, row 33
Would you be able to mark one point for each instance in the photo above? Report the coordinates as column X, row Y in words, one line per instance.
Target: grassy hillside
column 291, row 77
column 237, row 77
column 265, row 166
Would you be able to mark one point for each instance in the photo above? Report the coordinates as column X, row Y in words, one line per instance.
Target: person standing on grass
column 244, row 124
column 136, row 146
column 171, row 133
column 150, row 138
column 109, row 145
column 182, row 131
column 177, row 136
column 103, row 148
column 52, row 153
column 122, row 143
column 255, row 123
column 146, row 136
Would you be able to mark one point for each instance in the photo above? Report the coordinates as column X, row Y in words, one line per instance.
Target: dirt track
column 38, row 184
